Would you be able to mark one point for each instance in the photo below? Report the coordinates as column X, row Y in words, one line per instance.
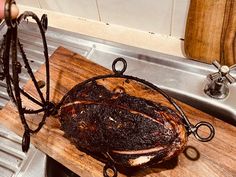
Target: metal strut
column 10, row 47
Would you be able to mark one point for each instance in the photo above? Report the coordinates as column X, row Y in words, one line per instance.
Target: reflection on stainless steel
column 15, row 163
column 181, row 78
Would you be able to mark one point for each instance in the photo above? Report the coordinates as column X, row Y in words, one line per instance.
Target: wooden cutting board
column 211, row 31
column 213, row 159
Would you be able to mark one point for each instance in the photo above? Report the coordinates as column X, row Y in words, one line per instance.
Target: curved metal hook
column 44, row 22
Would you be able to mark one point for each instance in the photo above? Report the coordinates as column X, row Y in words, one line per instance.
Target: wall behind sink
column 165, row 17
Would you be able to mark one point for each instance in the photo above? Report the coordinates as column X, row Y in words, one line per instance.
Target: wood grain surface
column 210, row 31
column 228, row 38
column 213, row 159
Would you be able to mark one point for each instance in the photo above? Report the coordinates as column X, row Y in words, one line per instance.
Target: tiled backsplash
column 166, row 17
column 146, row 15
column 81, row 8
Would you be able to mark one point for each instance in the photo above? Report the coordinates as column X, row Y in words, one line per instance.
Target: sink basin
column 183, row 79
column 61, row 171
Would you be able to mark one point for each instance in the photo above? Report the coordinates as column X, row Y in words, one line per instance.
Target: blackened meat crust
column 100, row 121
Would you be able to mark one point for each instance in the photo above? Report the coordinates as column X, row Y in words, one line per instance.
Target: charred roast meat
column 128, row 130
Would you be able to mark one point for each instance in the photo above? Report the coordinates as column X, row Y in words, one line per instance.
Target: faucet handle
column 218, row 87
column 230, row 78
column 216, row 64
column 223, row 71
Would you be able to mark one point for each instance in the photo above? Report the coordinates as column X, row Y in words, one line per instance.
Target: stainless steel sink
column 182, row 78
column 15, row 163
column 61, row 171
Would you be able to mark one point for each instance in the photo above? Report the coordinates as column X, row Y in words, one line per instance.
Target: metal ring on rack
column 107, row 167
column 195, row 131
column 119, row 72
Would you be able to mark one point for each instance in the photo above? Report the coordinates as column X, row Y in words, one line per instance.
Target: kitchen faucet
column 218, row 86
